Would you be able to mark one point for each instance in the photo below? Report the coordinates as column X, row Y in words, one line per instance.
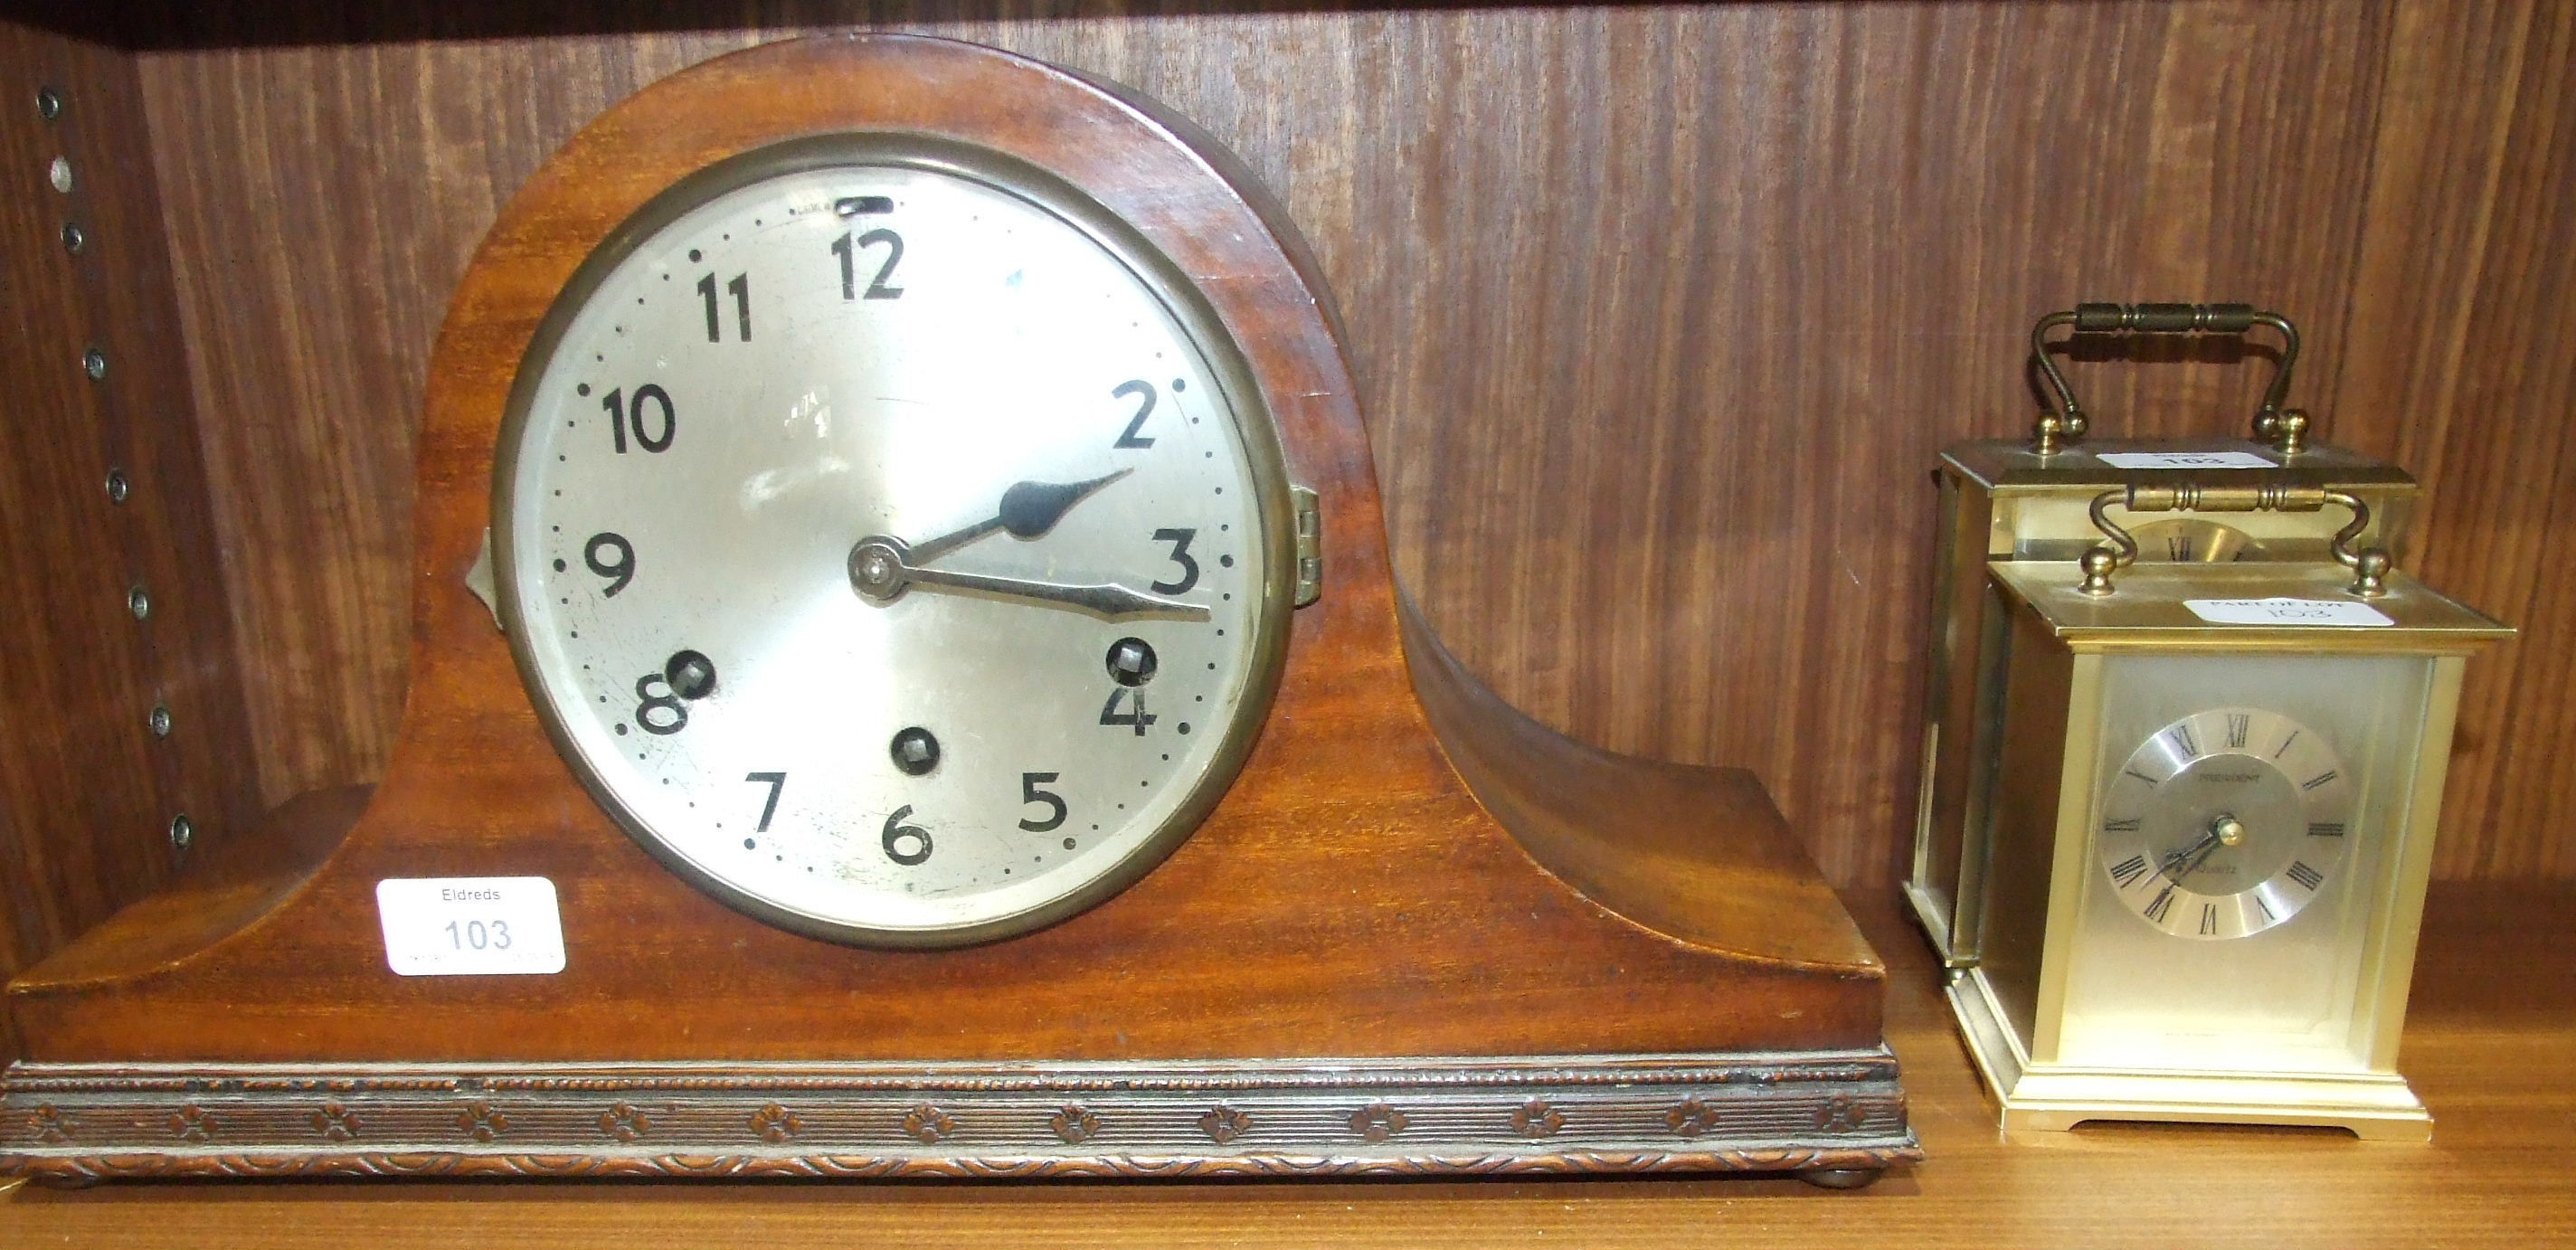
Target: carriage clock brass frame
column 2004, row 500
column 2039, row 595
column 2032, row 1009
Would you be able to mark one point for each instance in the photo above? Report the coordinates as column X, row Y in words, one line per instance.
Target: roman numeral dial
column 2225, row 823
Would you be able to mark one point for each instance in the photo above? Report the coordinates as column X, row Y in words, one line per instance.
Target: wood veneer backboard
column 88, row 789
column 1661, row 313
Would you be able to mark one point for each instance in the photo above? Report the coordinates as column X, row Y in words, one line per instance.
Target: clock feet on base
column 1842, row 1178
column 2054, row 1098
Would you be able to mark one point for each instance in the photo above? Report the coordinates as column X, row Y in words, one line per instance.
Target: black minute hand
column 1109, row 601
column 1029, row 509
column 880, row 570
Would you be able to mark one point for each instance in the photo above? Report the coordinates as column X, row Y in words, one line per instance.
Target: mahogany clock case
column 1387, row 949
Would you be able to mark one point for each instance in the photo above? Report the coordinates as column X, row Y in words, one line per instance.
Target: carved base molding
column 1829, row 1114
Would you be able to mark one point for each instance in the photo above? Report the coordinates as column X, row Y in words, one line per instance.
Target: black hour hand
column 1032, row 508
column 1029, row 509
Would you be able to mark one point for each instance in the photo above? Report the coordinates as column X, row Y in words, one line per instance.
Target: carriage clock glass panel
column 887, row 548
column 2243, row 811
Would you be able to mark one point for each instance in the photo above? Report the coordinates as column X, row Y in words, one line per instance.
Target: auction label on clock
column 471, row 926
column 2182, row 460
column 2285, row 611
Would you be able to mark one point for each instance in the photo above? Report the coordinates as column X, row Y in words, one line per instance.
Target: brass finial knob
column 2098, row 564
column 2370, row 573
column 2290, row 432
column 2050, row 434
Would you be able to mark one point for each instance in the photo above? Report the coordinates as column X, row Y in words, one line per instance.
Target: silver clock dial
column 2225, row 823
column 888, row 548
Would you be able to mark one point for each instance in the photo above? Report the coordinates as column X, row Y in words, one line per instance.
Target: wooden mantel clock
column 950, row 716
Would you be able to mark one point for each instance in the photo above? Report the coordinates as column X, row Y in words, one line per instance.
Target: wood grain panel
column 2465, row 318
column 1657, row 426
column 1661, row 312
column 87, row 791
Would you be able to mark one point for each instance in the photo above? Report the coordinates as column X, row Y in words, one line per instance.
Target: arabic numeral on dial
column 1139, row 718
column 624, row 416
column 776, row 782
column 618, row 571
column 905, row 844
column 740, row 288
column 667, row 702
column 1180, row 540
column 847, row 249
column 1130, row 439
column 1030, row 793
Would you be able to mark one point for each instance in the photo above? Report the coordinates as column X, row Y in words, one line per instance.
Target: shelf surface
column 2489, row 1045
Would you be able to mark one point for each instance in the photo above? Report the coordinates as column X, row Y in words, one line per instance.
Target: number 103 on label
column 471, row 926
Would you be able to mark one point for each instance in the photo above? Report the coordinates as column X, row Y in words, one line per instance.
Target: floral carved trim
column 1223, row 1123
column 481, row 1122
column 49, row 1125
column 1378, row 1122
column 191, row 1123
column 1075, row 1123
column 624, row 1122
column 1536, row 1118
column 336, row 1123
column 928, row 1124
column 776, row 1124
column 1287, row 1118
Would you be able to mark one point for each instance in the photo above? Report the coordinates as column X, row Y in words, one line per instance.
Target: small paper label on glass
column 2284, row 611
column 471, row 926
column 2182, row 460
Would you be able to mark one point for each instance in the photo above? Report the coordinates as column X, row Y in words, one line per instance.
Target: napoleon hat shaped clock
column 951, row 714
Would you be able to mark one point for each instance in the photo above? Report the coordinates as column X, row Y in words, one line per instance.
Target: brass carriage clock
column 2181, row 774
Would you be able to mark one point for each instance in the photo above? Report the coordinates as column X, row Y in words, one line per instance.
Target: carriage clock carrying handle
column 2285, row 429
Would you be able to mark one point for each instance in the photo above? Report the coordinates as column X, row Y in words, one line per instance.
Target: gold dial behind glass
column 2225, row 823
column 2189, row 540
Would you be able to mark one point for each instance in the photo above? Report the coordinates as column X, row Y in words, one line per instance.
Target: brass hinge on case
column 1310, row 544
